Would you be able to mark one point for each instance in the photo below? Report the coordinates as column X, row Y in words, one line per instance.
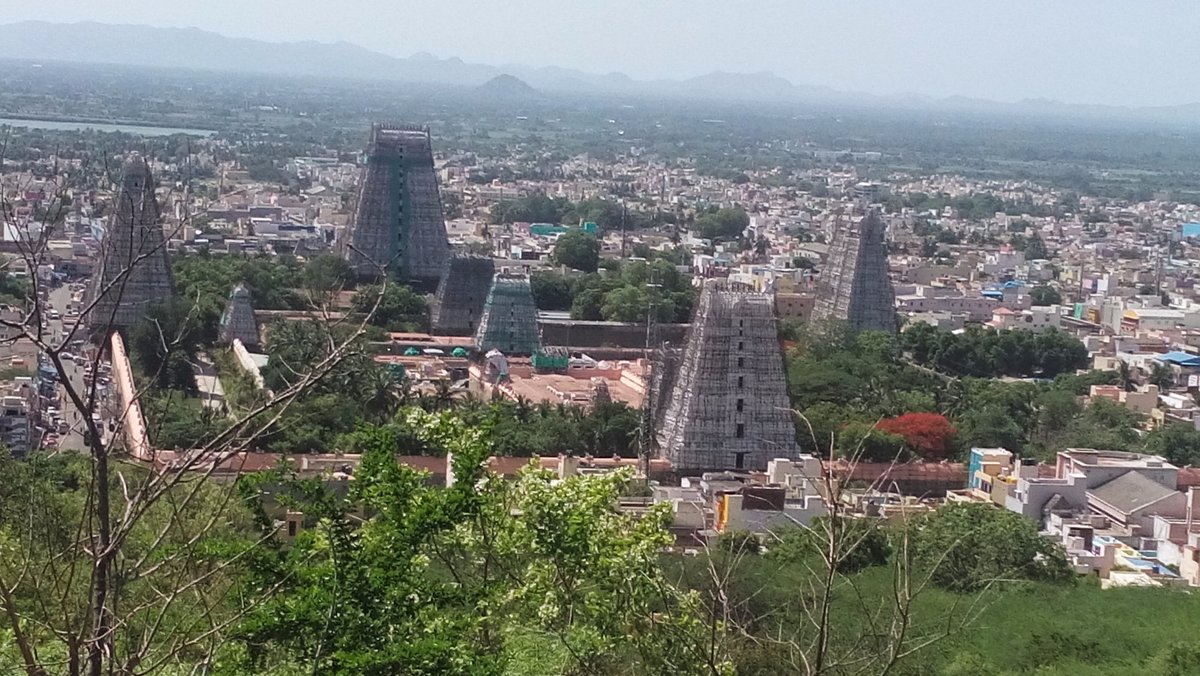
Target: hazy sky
column 1135, row 52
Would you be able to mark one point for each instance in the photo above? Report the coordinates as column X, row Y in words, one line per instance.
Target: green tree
column 1179, row 444
column 577, row 250
column 551, row 291
column 1105, row 424
column 1125, row 376
column 968, row 546
column 47, row 576
column 862, row 543
column 1035, row 249
column 460, row 580
column 1045, row 295
column 1056, row 410
column 326, row 274
column 626, row 304
column 723, row 223
column 398, row 309
column 163, row 345
column 1161, row 375
column 862, row 440
column 588, row 305
column 990, row 427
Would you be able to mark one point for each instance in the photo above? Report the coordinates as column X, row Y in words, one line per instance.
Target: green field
column 1025, row 628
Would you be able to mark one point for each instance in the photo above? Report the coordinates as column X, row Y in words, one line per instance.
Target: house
column 1086, row 481
column 1143, row 401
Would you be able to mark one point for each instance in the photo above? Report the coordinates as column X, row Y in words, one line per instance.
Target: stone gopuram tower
column 728, row 406
column 398, row 224
column 509, row 321
column 237, row 321
column 134, row 270
column 854, row 285
column 458, row 305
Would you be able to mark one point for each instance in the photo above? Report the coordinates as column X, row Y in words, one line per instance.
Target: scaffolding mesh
column 728, row 407
column 461, row 293
column 134, row 269
column 509, row 322
column 237, row 321
column 398, row 221
column 855, row 286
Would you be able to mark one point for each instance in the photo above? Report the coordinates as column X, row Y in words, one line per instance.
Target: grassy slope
column 1028, row 628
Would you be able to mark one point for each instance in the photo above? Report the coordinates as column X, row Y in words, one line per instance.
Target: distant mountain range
column 204, row 50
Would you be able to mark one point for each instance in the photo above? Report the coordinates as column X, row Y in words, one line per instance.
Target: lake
column 102, row 126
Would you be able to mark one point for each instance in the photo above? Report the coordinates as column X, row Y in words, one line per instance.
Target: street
column 72, row 441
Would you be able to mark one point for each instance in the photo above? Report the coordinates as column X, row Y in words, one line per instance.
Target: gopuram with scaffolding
column 509, row 320
column 854, row 286
column 134, row 268
column 398, row 225
column 237, row 321
column 458, row 304
column 727, row 404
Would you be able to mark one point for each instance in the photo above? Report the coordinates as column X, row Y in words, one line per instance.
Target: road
column 73, row 441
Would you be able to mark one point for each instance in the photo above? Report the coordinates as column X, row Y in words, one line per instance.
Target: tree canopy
column 577, row 250
column 723, row 223
column 972, row 545
column 1045, row 295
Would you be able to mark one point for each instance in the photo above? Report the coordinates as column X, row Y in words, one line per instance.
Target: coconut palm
column 1125, row 376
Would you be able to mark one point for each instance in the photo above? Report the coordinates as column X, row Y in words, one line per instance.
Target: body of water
column 101, row 126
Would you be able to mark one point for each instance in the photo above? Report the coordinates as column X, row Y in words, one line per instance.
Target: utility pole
column 624, row 236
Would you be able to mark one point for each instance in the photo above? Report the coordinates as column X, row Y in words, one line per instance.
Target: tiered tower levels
column 854, row 285
column 134, row 270
column 458, row 305
column 398, row 225
column 509, row 321
column 237, row 321
column 728, row 406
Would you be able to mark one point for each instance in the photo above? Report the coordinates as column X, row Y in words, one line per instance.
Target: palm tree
column 444, row 395
column 1162, row 375
column 383, row 394
column 1125, row 376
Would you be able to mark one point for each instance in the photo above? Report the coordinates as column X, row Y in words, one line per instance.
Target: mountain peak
column 509, row 87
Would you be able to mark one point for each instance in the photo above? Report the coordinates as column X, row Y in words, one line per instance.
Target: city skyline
column 1071, row 51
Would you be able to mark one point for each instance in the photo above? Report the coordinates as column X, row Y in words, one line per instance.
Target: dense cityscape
column 307, row 376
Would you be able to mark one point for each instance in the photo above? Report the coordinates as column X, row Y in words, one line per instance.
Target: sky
column 1126, row 52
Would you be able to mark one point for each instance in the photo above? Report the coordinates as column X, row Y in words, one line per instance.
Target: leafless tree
column 836, row 627
column 129, row 583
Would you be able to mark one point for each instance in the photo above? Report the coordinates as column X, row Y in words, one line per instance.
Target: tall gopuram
column 854, row 286
column 728, row 406
column 134, row 270
column 398, row 225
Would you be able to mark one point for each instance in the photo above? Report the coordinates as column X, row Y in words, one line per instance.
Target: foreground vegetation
column 539, row 577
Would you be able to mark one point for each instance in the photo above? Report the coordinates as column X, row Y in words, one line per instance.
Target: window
column 291, row 529
column 741, row 345
column 741, row 382
column 740, row 405
column 741, row 430
column 741, row 362
column 739, row 460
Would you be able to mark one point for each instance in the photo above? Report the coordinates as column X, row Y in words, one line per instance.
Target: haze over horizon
column 1074, row 51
